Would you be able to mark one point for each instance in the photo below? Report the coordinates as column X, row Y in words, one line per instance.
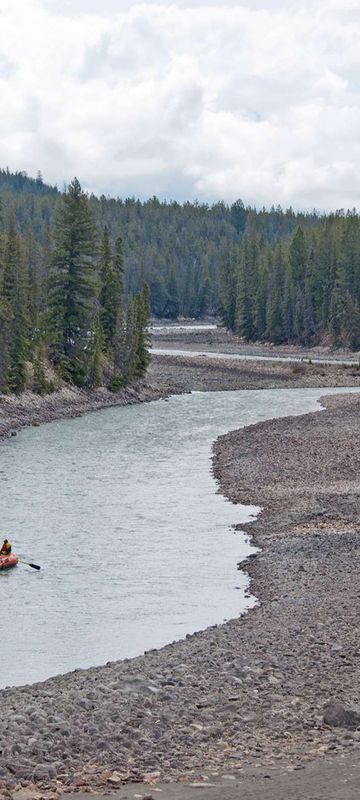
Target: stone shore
column 246, row 695
column 170, row 374
column 17, row 412
column 190, row 373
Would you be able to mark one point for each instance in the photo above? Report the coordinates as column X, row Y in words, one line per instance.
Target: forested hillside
column 179, row 250
column 73, row 270
column 63, row 310
column 302, row 288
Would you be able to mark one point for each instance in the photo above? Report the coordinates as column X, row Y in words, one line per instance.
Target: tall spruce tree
column 245, row 301
column 260, row 304
column 131, row 342
column 238, row 216
column 173, row 302
column 142, row 312
column 119, row 263
column 73, row 288
column 337, row 314
column 120, row 365
column 6, row 319
column 229, row 260
column 96, row 371
column 298, row 258
column 15, row 310
column 111, row 287
column 275, row 329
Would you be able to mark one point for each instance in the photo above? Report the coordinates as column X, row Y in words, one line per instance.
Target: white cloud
column 187, row 99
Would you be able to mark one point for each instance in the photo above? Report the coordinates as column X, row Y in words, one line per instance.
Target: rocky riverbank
column 169, row 375
column 249, row 694
column 197, row 373
column 17, row 412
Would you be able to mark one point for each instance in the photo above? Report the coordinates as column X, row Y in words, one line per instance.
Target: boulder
column 115, row 779
column 339, row 716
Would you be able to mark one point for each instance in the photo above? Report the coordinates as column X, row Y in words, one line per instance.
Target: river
column 121, row 511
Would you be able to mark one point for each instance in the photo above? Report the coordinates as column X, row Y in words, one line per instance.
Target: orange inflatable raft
column 6, row 562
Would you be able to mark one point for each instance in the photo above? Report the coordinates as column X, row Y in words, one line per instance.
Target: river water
column 121, row 511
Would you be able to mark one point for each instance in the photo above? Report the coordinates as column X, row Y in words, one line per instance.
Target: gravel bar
column 249, row 694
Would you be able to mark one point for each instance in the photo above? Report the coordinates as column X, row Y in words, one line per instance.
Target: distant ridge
column 20, row 183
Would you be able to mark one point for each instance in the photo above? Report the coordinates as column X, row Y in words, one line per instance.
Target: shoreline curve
column 251, row 691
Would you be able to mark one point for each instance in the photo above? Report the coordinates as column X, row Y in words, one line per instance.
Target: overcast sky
column 190, row 99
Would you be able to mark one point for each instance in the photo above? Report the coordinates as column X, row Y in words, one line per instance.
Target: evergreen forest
column 80, row 276
column 63, row 311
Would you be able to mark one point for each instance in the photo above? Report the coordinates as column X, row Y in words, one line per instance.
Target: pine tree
column 309, row 299
column 72, row 297
column 299, row 316
column 142, row 312
column 203, row 304
column 337, row 314
column 351, row 330
column 228, row 286
column 298, row 258
column 119, row 264
column 289, row 304
column 11, row 261
column 238, row 215
column 326, row 270
column 247, row 280
column 158, row 294
column 173, row 302
column 119, row 377
column 96, row 374
column 111, row 288
column 275, row 328
column 32, row 258
column 6, row 319
column 275, row 321
column 131, row 343
column 15, row 301
column 260, row 303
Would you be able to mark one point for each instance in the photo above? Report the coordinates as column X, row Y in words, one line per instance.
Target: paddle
column 33, row 566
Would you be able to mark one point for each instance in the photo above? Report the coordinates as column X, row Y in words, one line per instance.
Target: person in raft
column 6, row 548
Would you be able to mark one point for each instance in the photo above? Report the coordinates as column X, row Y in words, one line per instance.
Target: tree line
column 63, row 310
column 275, row 274
column 178, row 249
column 303, row 288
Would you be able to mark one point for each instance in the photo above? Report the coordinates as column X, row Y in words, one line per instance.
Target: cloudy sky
column 190, row 99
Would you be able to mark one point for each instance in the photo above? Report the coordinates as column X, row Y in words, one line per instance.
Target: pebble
column 286, row 656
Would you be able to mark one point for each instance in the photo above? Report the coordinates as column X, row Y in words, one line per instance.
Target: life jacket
column 6, row 549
